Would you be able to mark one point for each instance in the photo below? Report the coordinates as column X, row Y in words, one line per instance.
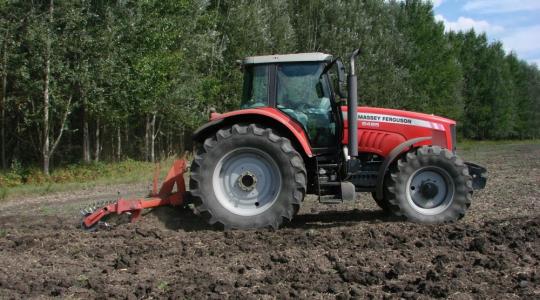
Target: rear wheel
column 247, row 177
column 430, row 185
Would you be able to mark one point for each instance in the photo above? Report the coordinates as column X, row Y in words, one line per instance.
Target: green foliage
column 498, row 100
column 13, row 177
column 83, row 280
column 76, row 173
column 163, row 286
column 124, row 62
column 433, row 69
column 3, row 193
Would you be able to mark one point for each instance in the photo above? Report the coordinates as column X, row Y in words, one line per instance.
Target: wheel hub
column 247, row 181
column 430, row 190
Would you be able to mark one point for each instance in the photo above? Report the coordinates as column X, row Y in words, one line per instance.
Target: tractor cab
column 300, row 86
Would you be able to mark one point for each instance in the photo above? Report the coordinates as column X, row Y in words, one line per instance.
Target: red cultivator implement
column 162, row 197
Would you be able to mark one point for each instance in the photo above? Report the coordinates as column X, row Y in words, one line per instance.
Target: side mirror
column 342, row 80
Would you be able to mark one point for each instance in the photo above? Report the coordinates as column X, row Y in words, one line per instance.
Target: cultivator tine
column 86, row 210
column 94, row 206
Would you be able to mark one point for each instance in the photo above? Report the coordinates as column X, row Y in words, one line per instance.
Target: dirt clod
column 479, row 245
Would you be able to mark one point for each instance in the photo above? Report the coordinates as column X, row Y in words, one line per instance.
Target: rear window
column 255, row 92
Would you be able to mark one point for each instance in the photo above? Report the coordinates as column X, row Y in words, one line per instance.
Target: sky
column 516, row 23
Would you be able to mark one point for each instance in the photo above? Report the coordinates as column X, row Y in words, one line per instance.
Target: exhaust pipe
column 352, row 107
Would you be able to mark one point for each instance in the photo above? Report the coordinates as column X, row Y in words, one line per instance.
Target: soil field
column 328, row 251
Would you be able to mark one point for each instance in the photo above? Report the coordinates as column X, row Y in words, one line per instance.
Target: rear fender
column 267, row 117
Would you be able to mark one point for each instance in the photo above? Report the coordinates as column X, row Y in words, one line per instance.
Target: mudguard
column 265, row 116
column 479, row 175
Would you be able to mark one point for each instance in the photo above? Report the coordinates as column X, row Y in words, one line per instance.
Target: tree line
column 86, row 81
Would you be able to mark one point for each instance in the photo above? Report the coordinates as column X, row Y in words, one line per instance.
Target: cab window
column 255, row 91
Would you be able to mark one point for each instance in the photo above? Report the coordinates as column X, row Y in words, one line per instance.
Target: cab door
column 306, row 96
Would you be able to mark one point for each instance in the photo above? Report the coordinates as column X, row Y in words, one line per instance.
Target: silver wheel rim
column 422, row 182
column 246, row 181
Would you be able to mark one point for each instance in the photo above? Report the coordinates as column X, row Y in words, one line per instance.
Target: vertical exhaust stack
column 352, row 107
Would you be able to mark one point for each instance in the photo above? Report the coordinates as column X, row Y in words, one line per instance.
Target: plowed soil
column 328, row 251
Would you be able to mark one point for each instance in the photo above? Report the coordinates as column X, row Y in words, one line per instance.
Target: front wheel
column 430, row 185
column 382, row 203
column 247, row 177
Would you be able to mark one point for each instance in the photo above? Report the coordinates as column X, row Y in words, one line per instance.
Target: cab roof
column 277, row 58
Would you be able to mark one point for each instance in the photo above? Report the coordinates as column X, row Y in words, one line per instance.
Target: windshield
column 255, row 93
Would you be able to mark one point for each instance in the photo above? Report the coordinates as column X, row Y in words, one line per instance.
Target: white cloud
column 535, row 61
column 523, row 40
column 436, row 3
column 501, row 6
column 465, row 24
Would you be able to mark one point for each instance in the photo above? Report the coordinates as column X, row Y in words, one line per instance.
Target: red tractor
column 293, row 135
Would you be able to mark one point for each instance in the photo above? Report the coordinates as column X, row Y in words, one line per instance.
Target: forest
column 89, row 81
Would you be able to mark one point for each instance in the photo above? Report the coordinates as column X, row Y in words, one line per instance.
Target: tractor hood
column 403, row 117
column 382, row 129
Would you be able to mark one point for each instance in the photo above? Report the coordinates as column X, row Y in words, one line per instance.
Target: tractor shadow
column 184, row 219
column 175, row 218
column 341, row 218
